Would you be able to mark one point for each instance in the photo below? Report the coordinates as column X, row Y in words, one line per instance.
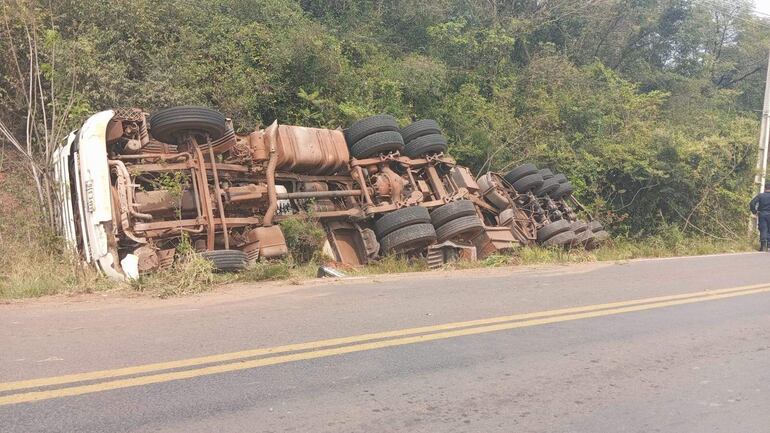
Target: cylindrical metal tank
column 308, row 150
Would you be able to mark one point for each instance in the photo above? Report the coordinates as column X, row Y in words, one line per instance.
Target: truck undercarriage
column 135, row 186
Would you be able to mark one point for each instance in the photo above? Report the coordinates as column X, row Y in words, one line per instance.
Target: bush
column 304, row 237
column 190, row 274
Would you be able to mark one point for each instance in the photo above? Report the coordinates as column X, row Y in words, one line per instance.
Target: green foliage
column 304, row 237
column 190, row 274
column 649, row 107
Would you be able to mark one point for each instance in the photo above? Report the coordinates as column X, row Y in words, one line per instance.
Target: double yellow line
column 72, row 385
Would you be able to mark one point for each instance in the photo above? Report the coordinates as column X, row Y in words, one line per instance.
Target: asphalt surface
column 699, row 366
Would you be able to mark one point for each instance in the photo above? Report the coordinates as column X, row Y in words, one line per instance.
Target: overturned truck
column 133, row 187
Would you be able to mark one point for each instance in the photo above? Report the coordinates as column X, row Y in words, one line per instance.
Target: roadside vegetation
column 34, row 262
column 649, row 107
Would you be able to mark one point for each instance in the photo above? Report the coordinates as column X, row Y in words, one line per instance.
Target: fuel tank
column 308, row 150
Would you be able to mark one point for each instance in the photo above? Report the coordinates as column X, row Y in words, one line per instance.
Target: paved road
column 677, row 345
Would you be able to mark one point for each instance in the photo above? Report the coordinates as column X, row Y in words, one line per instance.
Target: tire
column 425, row 145
column 419, row 129
column 528, row 183
column 493, row 196
column 560, row 178
column 579, row 226
column 549, row 185
column 563, row 190
column 169, row 124
column 379, row 142
column 562, row 239
column 598, row 239
column 401, row 218
column 546, row 173
column 552, row 229
column 519, row 172
column 467, row 225
column 370, row 125
column 595, row 226
column 226, row 260
column 584, row 238
column 456, row 209
column 408, row 238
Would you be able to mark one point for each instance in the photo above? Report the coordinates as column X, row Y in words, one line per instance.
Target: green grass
column 391, row 265
column 277, row 270
column 34, row 262
column 193, row 274
column 63, row 275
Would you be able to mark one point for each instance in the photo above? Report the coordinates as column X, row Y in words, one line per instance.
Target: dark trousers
column 764, row 226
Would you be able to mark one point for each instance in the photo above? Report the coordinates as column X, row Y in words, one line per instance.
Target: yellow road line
column 25, row 397
column 232, row 356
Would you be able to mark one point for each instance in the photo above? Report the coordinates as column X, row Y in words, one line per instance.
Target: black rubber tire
column 598, row 239
column 169, row 124
column 560, row 178
column 564, row 189
column 519, row 172
column 409, row 238
column 425, row 145
column 579, row 226
column 419, row 129
column 584, row 238
column 453, row 210
column 528, row 183
column 370, row 125
column 401, row 218
column 467, row 225
column 595, row 226
column 546, row 173
column 549, row 185
column 562, row 239
column 379, row 142
column 552, row 229
column 226, row 260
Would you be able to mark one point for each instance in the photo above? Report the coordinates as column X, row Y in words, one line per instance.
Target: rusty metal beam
column 319, row 194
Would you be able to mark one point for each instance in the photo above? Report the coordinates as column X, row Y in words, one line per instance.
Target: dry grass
column 193, row 274
column 34, row 262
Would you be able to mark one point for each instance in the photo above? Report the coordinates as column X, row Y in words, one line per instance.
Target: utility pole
column 764, row 133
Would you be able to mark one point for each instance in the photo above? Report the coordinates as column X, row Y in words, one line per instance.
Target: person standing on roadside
column 760, row 206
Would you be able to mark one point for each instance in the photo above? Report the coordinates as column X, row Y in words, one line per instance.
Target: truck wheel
column 456, row 209
column 420, row 128
column 549, row 185
column 584, row 238
column 408, row 238
column 226, row 260
column 401, row 218
column 546, row 173
column 519, row 172
column 493, row 196
column 467, row 225
column 579, row 226
column 425, row 145
column 528, row 183
column 598, row 239
column 562, row 239
column 552, row 229
column 370, row 125
column 170, row 125
column 564, row 189
column 379, row 142
column 560, row 178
